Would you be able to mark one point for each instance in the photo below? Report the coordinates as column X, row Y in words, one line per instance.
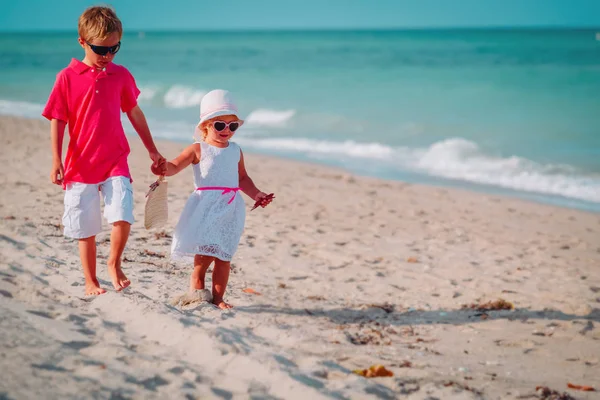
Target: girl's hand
column 262, row 199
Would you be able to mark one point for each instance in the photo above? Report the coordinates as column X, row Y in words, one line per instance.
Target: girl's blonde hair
column 99, row 22
column 203, row 127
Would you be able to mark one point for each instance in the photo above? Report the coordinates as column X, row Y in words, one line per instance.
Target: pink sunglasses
column 221, row 125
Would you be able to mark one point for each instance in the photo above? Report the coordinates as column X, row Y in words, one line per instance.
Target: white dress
column 212, row 222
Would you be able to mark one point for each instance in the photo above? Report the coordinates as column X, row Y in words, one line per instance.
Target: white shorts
column 83, row 219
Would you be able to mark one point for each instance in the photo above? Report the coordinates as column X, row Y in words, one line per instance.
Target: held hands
column 57, row 173
column 159, row 169
column 159, row 163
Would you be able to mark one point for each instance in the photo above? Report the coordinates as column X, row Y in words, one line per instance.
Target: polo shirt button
column 92, row 70
column 96, row 91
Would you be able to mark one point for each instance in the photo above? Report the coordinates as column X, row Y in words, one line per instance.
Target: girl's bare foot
column 119, row 280
column 222, row 305
column 93, row 289
column 219, row 281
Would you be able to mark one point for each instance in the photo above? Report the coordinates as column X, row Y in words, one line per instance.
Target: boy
column 88, row 95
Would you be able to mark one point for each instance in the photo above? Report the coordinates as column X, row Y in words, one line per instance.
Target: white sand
column 329, row 247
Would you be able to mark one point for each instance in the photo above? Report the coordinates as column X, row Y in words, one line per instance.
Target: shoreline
column 421, row 179
column 433, row 182
column 350, row 272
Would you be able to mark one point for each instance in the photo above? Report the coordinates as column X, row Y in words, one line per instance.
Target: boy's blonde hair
column 99, row 22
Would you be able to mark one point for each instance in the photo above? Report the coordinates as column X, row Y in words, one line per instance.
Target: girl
column 212, row 220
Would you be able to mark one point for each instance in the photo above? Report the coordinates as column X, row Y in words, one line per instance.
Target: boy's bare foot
column 222, row 305
column 119, row 280
column 93, row 289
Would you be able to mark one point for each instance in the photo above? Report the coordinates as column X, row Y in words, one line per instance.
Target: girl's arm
column 190, row 154
column 246, row 183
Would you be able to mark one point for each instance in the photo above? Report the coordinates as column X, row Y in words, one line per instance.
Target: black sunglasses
column 220, row 126
column 104, row 50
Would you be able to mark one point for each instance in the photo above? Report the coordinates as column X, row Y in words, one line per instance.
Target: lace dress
column 213, row 218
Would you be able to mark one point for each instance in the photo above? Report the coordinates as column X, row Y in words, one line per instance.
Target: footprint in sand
column 192, row 299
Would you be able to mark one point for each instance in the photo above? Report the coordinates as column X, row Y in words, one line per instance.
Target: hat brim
column 215, row 114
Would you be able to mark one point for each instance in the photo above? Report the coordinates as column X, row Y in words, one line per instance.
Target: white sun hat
column 216, row 103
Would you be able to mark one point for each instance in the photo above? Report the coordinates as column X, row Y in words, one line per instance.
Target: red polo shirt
column 90, row 102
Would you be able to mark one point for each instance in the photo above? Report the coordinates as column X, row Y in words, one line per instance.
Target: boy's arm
column 187, row 156
column 138, row 120
column 57, row 134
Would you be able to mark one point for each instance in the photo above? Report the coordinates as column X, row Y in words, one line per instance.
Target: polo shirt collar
column 80, row 67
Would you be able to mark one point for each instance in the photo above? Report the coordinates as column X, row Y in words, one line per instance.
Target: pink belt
column 224, row 189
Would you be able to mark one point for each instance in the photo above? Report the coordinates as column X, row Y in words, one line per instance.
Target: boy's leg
column 82, row 220
column 118, row 211
column 220, row 278
column 87, row 252
column 118, row 240
column 201, row 264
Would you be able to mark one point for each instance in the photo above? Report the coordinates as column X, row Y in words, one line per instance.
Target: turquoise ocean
column 514, row 112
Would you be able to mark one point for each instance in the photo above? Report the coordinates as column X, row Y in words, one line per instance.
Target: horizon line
column 323, row 29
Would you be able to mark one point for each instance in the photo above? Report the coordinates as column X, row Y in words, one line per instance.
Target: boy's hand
column 159, row 163
column 57, row 173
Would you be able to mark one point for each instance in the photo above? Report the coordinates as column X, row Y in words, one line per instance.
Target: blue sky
column 31, row 15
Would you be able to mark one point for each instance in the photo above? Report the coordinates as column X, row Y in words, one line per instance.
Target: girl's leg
column 219, row 279
column 201, row 264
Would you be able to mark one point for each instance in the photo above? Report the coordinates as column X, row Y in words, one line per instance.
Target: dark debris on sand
column 463, row 387
column 162, row 235
column 150, row 253
column 545, row 393
column 497, row 305
column 369, row 336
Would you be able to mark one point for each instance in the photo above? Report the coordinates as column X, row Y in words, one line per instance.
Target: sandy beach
column 346, row 272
